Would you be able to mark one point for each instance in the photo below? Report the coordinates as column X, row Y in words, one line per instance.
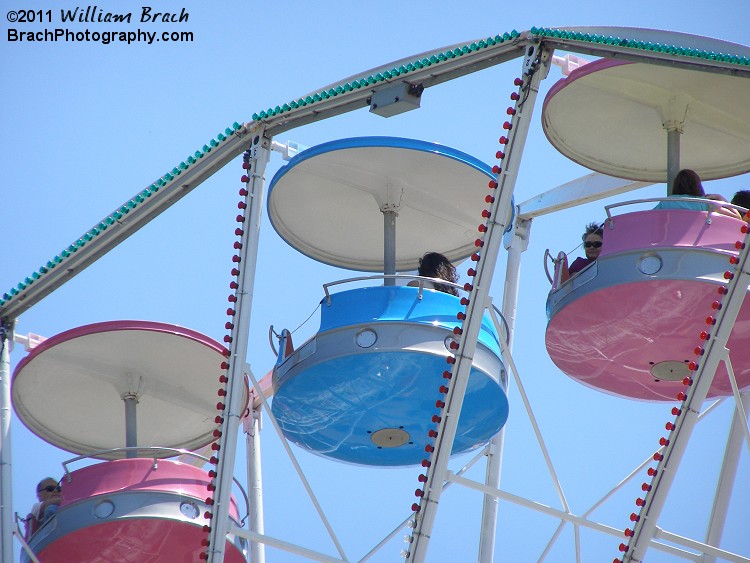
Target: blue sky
column 86, row 126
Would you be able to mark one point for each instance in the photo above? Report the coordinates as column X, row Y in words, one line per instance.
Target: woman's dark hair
column 593, row 229
column 687, row 182
column 435, row 265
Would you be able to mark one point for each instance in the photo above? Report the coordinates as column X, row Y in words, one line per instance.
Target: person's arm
column 720, row 209
column 31, row 524
column 47, row 503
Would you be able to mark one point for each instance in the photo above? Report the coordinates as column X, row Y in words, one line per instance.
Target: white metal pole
column 240, row 333
column 131, row 425
column 6, row 504
column 715, row 351
column 536, row 66
column 490, row 502
column 519, row 244
column 255, row 483
column 726, row 478
column 673, row 157
column 389, row 245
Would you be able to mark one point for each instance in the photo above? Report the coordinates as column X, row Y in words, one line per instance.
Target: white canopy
column 613, row 116
column 328, row 201
column 69, row 390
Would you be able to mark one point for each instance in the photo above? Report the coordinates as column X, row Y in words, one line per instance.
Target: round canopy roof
column 69, row 389
column 610, row 116
column 327, row 201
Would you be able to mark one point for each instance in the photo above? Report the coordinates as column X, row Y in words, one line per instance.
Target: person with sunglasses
column 592, row 246
column 48, row 492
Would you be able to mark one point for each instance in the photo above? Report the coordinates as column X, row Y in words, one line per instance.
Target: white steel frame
column 257, row 136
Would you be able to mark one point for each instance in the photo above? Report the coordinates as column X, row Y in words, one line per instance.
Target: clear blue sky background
column 86, row 126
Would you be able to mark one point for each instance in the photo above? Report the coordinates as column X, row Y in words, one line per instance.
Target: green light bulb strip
column 117, row 215
column 382, row 76
column 640, row 45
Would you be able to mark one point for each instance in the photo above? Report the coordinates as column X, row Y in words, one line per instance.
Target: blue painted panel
column 333, row 407
column 400, row 303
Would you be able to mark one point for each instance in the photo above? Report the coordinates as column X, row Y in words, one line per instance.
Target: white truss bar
column 490, row 504
column 740, row 408
column 261, row 396
column 586, row 523
column 404, row 523
column 252, row 424
column 527, row 405
column 240, row 335
column 536, row 66
column 543, row 447
column 645, row 462
column 286, row 546
column 700, row 547
column 715, row 350
column 569, row 63
column 619, row 485
column 138, row 217
column 24, row 546
column 409, row 518
column 565, row 516
column 518, row 244
column 29, row 341
column 588, row 188
column 6, row 506
column 728, row 475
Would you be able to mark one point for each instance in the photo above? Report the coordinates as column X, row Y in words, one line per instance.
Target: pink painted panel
column 668, row 228
column 128, row 475
column 133, row 540
column 610, row 339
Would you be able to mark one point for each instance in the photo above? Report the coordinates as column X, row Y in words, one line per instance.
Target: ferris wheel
column 402, row 372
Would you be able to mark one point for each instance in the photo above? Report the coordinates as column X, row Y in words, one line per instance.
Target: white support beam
column 6, row 489
column 715, row 351
column 252, row 423
column 598, row 527
column 259, row 397
column 519, row 243
column 535, row 68
column 727, row 476
column 236, row 387
column 284, row 545
column 699, row 547
column 585, row 189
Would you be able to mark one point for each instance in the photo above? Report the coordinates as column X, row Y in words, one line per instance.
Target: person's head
column 742, row 198
column 435, row 265
column 592, row 240
column 47, row 488
column 687, row 183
